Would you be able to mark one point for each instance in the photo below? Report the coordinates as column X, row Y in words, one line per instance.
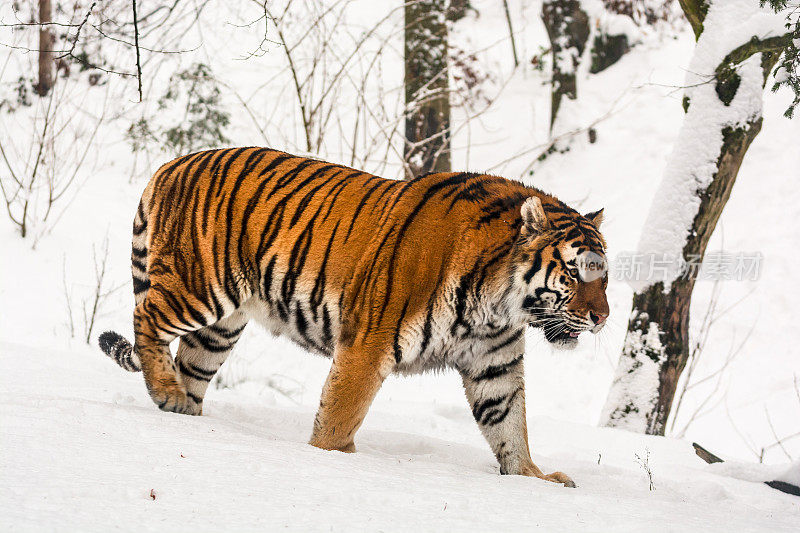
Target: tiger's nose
column 598, row 318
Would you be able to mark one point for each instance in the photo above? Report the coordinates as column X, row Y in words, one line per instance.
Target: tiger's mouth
column 560, row 333
column 557, row 331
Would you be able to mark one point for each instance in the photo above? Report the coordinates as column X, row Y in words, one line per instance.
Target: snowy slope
column 83, row 449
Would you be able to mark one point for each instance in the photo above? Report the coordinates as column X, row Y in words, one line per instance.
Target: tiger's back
column 230, row 225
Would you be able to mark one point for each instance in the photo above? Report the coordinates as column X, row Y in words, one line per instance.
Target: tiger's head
column 560, row 272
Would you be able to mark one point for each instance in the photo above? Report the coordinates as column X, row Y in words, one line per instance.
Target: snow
column 82, row 446
column 691, row 167
column 244, row 465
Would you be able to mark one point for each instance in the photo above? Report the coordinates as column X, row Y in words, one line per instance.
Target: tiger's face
column 561, row 272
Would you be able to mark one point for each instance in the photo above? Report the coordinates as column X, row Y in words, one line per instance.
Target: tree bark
column 46, row 40
column 657, row 343
column 427, row 125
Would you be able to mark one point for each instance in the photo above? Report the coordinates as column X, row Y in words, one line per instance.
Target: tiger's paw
column 555, row 477
column 338, row 447
column 177, row 401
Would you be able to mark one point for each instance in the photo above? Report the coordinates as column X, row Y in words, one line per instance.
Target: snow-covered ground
column 85, row 450
column 82, row 446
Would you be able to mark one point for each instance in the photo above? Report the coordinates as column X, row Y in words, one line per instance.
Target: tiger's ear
column 534, row 220
column 596, row 217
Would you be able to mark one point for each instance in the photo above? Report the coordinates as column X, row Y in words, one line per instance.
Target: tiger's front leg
column 355, row 377
column 496, row 394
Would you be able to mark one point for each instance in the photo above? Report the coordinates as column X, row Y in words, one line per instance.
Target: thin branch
column 69, row 52
column 511, row 33
column 778, row 440
column 136, row 44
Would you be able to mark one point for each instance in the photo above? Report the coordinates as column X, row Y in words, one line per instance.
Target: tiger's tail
column 112, row 343
column 120, row 350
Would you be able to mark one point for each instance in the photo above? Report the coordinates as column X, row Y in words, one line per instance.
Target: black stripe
column 498, row 255
column 398, row 354
column 266, row 284
column 196, row 315
column 177, row 308
column 140, row 285
column 474, row 192
column 318, row 292
column 194, row 372
column 535, row 267
column 327, row 336
column 138, row 264
column 211, row 345
column 165, row 323
column 363, row 202
column 496, row 416
column 293, row 173
column 179, row 184
column 498, row 207
column 189, row 342
column 196, row 398
column 427, row 327
column 511, row 339
column 227, row 333
column 480, row 408
column 304, row 201
column 219, row 309
column 342, row 185
column 495, row 371
column 462, row 292
column 139, row 228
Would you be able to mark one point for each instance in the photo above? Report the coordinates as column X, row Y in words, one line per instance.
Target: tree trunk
column 427, row 127
column 657, row 343
column 46, row 40
column 568, row 29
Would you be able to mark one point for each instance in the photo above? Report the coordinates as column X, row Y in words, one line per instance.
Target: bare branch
column 136, row 43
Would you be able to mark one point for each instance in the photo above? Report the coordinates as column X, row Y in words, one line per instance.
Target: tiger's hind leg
column 202, row 352
column 157, row 320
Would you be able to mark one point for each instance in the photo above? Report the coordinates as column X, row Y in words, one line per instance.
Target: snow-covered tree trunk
column 738, row 44
column 427, row 127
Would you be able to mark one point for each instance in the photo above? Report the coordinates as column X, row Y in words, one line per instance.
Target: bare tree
column 720, row 108
column 427, row 124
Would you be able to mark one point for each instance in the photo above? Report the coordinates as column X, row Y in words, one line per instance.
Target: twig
column 645, row 464
column 778, row 440
column 136, row 44
column 511, row 34
column 70, row 52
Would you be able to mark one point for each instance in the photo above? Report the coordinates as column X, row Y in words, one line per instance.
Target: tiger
column 442, row 271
